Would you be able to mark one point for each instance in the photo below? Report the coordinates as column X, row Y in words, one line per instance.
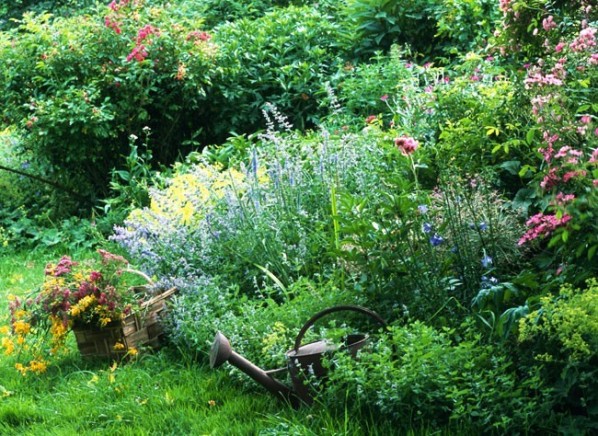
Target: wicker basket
column 142, row 328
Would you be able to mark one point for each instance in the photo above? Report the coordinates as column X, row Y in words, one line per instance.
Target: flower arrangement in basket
column 95, row 300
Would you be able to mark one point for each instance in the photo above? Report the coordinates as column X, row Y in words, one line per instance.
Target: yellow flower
column 19, row 367
column 8, row 345
column 57, row 329
column 105, row 321
column 21, row 327
column 20, row 314
column 119, row 346
column 37, row 367
column 82, row 305
column 187, row 213
column 4, row 330
column 133, row 351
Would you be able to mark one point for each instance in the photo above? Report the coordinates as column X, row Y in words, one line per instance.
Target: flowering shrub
column 98, row 78
column 562, row 91
column 73, row 293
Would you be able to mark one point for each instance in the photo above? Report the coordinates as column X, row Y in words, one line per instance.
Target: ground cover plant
column 273, row 159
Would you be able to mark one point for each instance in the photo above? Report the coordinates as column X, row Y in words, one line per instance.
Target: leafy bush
column 12, row 10
column 415, row 376
column 79, row 86
column 282, row 58
column 428, row 27
column 562, row 337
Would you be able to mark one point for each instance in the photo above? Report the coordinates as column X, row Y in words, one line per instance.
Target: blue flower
column 486, row 261
column 423, row 209
column 483, row 226
column 436, row 240
column 427, row 227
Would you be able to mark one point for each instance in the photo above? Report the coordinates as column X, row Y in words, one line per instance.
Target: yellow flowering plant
column 92, row 293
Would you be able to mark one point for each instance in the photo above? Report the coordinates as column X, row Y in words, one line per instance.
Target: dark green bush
column 11, row 11
column 430, row 28
column 283, row 58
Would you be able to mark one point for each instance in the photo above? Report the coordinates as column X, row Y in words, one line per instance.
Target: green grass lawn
column 158, row 393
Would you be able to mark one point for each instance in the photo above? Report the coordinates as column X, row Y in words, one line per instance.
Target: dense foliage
column 435, row 161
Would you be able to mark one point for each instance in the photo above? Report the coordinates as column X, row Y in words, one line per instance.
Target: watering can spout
column 222, row 352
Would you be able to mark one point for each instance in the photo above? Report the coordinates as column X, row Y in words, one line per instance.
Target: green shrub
column 416, row 376
column 12, row 10
column 282, row 58
column 383, row 87
column 562, row 338
column 79, row 87
column 428, row 27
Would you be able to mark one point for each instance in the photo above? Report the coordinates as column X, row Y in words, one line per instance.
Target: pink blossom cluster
column 145, row 32
column 505, row 6
column 197, row 36
column 549, row 140
column 548, row 23
column 561, row 199
column 114, row 25
column 537, row 78
column 115, row 6
column 585, row 40
column 139, row 53
column 406, row 145
column 550, row 180
column 541, row 225
column 569, row 155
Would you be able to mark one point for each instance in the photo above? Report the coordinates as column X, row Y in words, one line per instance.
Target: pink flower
column 371, row 119
column 550, row 180
column 406, row 145
column 586, row 119
column 138, row 53
column 594, row 156
column 559, row 47
column 112, row 25
column 384, row 97
column 197, row 36
column 541, row 225
column 573, row 174
column 585, row 40
column 145, row 32
column 561, row 199
column 548, row 23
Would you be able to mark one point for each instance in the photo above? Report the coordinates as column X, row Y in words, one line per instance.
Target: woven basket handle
column 325, row 312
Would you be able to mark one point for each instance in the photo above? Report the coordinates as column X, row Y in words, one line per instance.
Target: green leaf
column 529, row 137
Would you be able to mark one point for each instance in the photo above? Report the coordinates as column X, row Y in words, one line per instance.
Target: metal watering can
column 303, row 361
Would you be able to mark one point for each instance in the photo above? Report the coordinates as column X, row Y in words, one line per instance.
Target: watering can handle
column 324, row 312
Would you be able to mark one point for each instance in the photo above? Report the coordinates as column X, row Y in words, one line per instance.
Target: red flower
column 406, row 145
